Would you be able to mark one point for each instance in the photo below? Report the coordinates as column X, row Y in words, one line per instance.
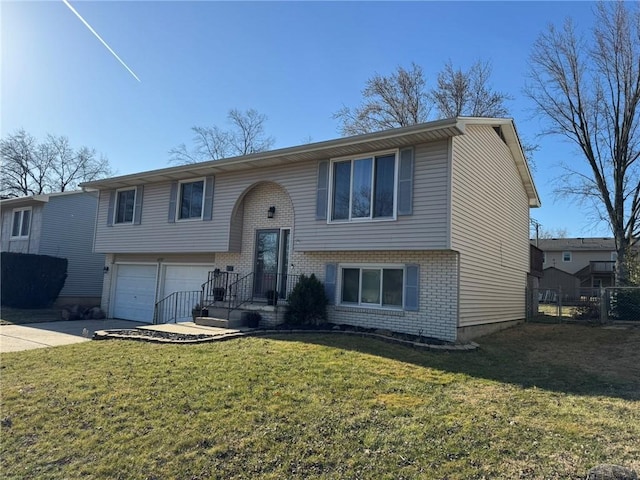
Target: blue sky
column 296, row 62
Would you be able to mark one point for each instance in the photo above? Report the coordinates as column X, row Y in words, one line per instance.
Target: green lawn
column 536, row 401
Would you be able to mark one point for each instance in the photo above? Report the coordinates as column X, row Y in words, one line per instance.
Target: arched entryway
column 262, row 232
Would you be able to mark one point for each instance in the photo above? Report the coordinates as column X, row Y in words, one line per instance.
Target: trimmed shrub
column 31, row 281
column 307, row 302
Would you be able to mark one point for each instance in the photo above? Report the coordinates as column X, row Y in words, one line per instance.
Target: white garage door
column 184, row 278
column 135, row 292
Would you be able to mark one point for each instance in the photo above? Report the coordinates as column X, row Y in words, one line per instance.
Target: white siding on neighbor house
column 26, row 245
column 67, row 232
column 489, row 228
column 427, row 228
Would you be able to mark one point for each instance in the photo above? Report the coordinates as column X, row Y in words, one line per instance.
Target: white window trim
column 179, row 196
column 13, row 216
column 361, row 266
column 570, row 257
column 352, row 158
column 115, row 207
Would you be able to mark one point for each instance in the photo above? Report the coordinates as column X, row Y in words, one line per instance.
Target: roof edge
column 449, row 123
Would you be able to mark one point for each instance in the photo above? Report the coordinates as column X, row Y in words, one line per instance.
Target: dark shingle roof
column 573, row 244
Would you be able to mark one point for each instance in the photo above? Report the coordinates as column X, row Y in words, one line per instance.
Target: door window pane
column 371, row 286
column 350, row 285
column 341, row 189
column 361, row 196
column 266, row 260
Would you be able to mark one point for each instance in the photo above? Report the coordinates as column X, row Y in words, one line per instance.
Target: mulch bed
column 385, row 335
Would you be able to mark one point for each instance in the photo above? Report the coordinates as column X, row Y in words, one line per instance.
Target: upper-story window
column 21, row 223
column 125, row 203
column 566, row 256
column 614, row 256
column 364, row 188
column 191, row 200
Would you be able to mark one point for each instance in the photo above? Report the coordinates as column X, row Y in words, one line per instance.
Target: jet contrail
column 100, row 38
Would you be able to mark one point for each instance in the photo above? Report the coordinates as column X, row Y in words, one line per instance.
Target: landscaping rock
column 71, row 312
column 611, row 472
column 93, row 313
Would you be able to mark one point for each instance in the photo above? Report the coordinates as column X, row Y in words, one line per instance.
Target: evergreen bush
column 307, row 302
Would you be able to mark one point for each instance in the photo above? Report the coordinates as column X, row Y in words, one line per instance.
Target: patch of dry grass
column 535, row 402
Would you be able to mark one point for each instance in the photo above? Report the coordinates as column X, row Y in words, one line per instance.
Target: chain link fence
column 588, row 305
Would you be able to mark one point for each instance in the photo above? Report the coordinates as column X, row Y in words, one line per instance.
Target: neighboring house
column 590, row 260
column 420, row 229
column 60, row 225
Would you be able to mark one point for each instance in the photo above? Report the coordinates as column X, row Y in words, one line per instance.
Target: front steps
column 271, row 315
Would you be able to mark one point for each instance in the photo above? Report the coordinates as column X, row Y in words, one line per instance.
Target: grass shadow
column 573, row 359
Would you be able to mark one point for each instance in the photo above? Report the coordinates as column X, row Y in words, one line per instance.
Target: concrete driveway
column 14, row 338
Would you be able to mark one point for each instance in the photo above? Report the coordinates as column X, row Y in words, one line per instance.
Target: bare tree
column 247, row 135
column 589, row 91
column 468, row 93
column 30, row 167
column 549, row 233
column 402, row 99
column 398, row 100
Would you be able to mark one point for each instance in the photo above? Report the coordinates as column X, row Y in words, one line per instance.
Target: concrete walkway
column 191, row 328
column 14, row 338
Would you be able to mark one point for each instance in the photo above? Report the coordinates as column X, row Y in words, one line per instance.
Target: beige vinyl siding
column 489, row 227
column 426, row 229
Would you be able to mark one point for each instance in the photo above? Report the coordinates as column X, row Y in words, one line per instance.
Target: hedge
column 31, row 281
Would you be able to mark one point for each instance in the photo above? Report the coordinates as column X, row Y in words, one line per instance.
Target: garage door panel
column 182, row 278
column 135, row 292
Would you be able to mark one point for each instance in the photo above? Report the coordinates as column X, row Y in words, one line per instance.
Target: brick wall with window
column 437, row 312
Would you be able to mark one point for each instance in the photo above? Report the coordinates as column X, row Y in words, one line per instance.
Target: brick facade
column 438, row 304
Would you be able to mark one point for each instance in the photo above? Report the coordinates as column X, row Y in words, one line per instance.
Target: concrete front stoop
column 271, row 315
column 218, row 322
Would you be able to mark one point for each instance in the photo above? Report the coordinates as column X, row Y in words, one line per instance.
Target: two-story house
column 420, row 229
column 60, row 225
column 574, row 264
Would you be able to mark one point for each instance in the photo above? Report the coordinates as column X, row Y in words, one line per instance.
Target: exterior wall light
column 271, row 212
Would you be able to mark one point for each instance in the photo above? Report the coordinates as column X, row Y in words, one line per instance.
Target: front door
column 271, row 260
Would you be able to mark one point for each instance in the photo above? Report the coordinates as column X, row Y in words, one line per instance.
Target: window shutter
column 112, row 203
column 137, row 209
column 405, row 182
column 207, row 214
column 411, row 290
column 331, row 270
column 322, row 191
column 173, row 199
